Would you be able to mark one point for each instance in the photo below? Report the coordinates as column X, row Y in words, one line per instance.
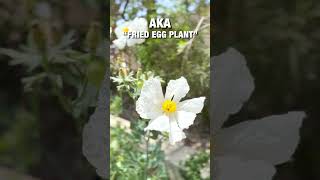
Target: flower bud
column 39, row 37
column 56, row 35
column 123, row 72
column 93, row 37
column 139, row 73
column 29, row 5
column 95, row 73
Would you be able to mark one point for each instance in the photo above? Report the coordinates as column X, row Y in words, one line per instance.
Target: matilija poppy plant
column 167, row 113
column 136, row 25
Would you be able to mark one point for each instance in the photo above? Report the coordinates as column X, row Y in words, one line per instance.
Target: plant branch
column 124, row 9
column 189, row 44
column 61, row 98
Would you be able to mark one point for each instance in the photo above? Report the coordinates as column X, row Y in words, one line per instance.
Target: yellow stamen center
column 125, row 29
column 169, row 106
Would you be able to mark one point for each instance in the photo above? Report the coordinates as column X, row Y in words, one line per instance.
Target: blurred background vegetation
column 280, row 40
column 53, row 58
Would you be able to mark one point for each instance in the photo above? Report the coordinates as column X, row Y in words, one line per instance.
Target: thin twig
column 191, row 40
column 203, row 27
column 188, row 46
column 124, row 9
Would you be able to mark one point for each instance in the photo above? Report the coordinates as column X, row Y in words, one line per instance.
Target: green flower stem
column 61, row 98
column 147, row 156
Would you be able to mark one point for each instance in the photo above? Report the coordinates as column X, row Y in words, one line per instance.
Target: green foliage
column 132, row 84
column 55, row 66
column 52, row 68
column 116, row 105
column 129, row 157
column 194, row 165
column 133, row 155
column 21, row 142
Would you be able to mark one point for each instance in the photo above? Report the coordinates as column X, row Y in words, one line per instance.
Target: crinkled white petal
column 150, row 101
column 139, row 41
column 194, row 105
column 119, row 29
column 120, row 43
column 132, row 42
column 161, row 123
column 177, row 89
column 176, row 134
column 139, row 24
column 185, row 119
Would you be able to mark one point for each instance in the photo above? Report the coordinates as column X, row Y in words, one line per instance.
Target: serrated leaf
column 66, row 40
column 57, row 79
column 31, row 61
column 30, row 81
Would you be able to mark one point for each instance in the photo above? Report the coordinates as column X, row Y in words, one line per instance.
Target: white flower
column 137, row 25
column 166, row 112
